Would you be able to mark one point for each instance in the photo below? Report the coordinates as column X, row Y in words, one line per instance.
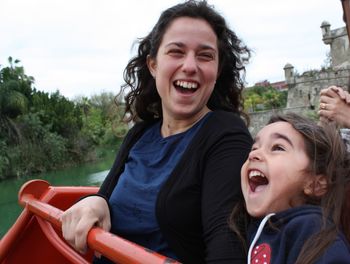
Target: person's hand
column 335, row 106
column 342, row 93
column 81, row 217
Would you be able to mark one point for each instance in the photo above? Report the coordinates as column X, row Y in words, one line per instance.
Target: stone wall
column 304, row 90
column 339, row 44
column 303, row 94
column 259, row 119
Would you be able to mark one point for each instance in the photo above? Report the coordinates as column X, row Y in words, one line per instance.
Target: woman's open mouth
column 186, row 86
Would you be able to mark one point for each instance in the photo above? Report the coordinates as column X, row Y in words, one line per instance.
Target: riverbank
column 89, row 174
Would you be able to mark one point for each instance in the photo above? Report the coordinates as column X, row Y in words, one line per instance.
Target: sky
column 80, row 47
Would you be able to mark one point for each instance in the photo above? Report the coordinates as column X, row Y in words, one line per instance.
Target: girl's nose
column 255, row 155
column 190, row 64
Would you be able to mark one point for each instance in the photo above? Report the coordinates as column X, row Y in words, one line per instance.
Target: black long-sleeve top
column 195, row 202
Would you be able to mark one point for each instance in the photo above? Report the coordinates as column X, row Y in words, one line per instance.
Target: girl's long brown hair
column 328, row 156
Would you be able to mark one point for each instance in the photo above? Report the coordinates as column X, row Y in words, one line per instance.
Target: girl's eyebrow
column 275, row 135
column 279, row 135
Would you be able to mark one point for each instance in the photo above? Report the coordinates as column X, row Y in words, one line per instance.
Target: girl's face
column 274, row 176
column 186, row 68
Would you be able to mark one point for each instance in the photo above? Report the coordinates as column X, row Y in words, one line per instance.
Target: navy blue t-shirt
column 133, row 201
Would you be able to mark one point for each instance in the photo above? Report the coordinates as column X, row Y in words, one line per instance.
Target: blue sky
column 81, row 47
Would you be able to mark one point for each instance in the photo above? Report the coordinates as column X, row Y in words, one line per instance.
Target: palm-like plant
column 13, row 102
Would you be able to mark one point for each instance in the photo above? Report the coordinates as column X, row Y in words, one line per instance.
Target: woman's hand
column 81, row 217
column 335, row 106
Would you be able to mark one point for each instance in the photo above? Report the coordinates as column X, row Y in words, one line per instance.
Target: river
column 91, row 174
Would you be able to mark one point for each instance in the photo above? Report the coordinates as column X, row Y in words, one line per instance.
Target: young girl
column 293, row 184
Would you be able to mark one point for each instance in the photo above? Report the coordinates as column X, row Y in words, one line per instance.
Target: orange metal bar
column 59, row 244
column 115, row 248
column 14, row 233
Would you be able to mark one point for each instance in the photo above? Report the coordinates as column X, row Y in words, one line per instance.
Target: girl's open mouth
column 257, row 180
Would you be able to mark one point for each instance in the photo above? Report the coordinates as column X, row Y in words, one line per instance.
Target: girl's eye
column 278, row 148
column 254, row 148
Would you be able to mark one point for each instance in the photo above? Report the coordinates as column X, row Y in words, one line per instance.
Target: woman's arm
column 221, row 189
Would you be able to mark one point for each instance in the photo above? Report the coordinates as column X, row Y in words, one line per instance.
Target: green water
column 91, row 174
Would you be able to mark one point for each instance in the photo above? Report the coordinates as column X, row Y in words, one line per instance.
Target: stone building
column 304, row 89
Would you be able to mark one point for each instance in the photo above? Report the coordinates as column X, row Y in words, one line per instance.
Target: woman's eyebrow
column 180, row 45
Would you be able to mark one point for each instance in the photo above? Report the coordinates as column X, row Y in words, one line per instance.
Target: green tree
column 15, row 87
column 64, row 116
column 264, row 98
column 104, row 102
column 16, row 73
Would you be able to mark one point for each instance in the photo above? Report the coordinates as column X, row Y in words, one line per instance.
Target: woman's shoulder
column 224, row 119
column 224, row 115
column 224, row 125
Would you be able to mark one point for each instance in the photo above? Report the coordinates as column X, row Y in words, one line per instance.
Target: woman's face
column 185, row 68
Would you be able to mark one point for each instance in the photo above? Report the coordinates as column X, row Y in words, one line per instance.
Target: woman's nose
column 190, row 64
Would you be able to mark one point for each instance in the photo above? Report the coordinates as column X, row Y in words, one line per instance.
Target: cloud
column 81, row 47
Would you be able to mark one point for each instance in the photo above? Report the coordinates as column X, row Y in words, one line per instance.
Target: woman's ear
column 152, row 66
column 316, row 186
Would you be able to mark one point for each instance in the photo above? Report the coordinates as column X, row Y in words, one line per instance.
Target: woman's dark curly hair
column 143, row 101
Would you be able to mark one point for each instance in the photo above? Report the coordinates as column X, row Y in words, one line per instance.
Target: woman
column 176, row 176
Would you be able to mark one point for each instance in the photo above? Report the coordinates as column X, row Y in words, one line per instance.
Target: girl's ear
column 316, row 186
column 152, row 66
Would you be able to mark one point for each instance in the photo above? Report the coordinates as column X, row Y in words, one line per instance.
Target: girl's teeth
column 256, row 173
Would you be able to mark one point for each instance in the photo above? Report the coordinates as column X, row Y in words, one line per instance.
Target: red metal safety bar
column 36, row 235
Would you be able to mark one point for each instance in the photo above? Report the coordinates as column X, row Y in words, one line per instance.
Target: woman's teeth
column 186, row 85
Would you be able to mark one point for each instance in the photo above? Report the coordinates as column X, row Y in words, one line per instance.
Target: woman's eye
column 206, row 56
column 175, row 52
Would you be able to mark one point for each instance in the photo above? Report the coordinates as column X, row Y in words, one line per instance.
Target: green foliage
column 16, row 73
column 104, row 102
column 4, row 161
column 14, row 85
column 103, row 119
column 41, row 131
column 39, row 151
column 63, row 115
column 93, row 127
column 12, row 102
column 54, row 147
column 264, row 98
